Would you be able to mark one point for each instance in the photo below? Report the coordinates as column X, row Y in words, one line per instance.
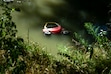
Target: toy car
column 52, row 28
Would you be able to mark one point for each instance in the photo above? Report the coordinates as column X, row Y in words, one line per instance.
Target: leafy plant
column 100, row 37
column 9, row 42
column 81, row 40
column 96, row 60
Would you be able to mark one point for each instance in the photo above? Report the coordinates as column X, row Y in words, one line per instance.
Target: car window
column 51, row 25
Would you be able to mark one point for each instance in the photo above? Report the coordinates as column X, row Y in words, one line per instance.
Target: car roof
column 50, row 23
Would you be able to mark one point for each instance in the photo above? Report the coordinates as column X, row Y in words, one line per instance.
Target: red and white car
column 53, row 28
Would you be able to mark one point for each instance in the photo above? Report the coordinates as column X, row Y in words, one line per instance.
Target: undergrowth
column 95, row 58
column 18, row 57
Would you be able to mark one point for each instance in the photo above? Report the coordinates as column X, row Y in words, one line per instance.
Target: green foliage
column 9, row 42
column 96, row 60
column 99, row 38
column 76, row 60
column 92, row 29
column 81, row 40
column 7, row 27
column 82, row 64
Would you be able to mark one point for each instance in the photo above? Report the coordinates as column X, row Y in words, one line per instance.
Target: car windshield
column 51, row 25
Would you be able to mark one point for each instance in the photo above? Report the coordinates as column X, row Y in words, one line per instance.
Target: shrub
column 95, row 61
column 10, row 43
